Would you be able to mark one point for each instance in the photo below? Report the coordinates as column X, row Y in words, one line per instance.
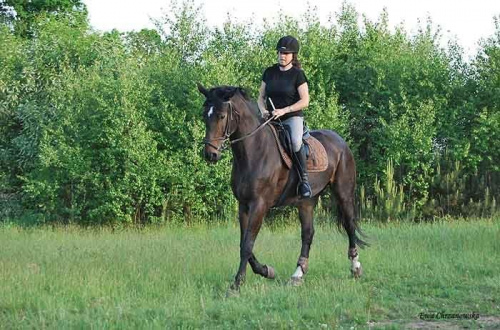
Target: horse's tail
column 343, row 189
column 349, row 225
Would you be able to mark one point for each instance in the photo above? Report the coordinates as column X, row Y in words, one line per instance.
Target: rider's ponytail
column 296, row 62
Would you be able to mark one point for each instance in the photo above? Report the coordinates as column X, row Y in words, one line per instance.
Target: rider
column 285, row 86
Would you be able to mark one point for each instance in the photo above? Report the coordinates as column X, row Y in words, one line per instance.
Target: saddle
column 317, row 159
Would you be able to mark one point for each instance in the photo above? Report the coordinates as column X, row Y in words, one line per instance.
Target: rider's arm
column 261, row 101
column 304, row 99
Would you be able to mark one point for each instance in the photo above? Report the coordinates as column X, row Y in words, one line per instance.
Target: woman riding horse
column 260, row 180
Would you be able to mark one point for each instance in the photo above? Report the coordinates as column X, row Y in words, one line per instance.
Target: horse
column 260, row 181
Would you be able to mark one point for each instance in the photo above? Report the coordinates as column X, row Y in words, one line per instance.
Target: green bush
column 107, row 128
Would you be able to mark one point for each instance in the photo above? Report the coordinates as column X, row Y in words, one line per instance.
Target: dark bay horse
column 259, row 178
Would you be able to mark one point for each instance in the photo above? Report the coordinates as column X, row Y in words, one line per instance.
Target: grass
column 176, row 277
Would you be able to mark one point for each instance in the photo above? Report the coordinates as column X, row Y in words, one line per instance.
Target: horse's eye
column 221, row 115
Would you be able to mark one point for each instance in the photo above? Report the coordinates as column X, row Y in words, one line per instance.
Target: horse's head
column 220, row 117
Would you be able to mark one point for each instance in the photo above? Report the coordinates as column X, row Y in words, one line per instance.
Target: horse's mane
column 226, row 93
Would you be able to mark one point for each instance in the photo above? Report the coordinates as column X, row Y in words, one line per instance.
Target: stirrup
column 305, row 190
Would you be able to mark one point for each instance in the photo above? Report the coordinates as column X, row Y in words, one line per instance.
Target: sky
column 465, row 20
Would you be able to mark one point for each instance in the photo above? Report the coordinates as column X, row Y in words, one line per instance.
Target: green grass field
column 177, row 277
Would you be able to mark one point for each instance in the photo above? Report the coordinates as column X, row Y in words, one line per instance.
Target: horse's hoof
column 357, row 272
column 271, row 274
column 296, row 281
column 232, row 292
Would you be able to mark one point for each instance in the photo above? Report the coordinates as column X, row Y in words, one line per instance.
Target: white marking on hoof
column 298, row 272
column 356, row 267
column 297, row 277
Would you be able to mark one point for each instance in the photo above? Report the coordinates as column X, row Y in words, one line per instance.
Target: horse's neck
column 252, row 149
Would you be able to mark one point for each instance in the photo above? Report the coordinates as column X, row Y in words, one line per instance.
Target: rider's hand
column 266, row 114
column 279, row 112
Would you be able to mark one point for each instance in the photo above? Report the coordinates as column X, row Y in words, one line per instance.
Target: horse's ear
column 202, row 89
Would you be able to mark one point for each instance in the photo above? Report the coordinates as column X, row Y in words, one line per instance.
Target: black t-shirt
column 282, row 88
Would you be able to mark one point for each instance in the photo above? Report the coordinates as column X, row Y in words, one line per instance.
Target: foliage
column 106, row 127
column 388, row 201
column 22, row 14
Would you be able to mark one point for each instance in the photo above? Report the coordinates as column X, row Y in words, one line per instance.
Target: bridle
column 227, row 130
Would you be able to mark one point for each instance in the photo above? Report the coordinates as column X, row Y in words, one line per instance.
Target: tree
column 21, row 14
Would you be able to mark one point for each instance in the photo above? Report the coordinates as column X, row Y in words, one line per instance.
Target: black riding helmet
column 288, row 44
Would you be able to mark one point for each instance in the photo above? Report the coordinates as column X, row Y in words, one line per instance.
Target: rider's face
column 284, row 58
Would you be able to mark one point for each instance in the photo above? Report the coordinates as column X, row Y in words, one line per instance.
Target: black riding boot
column 301, row 163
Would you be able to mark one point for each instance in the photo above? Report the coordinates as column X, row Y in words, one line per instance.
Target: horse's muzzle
column 211, row 156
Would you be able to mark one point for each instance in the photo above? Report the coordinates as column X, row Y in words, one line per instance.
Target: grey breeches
column 296, row 126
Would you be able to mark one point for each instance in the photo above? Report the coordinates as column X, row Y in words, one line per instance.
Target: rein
column 254, row 131
column 227, row 132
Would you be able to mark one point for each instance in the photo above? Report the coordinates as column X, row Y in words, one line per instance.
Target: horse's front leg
column 306, row 210
column 258, row 268
column 251, row 217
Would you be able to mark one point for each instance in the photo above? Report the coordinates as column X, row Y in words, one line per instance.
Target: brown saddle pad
column 318, row 159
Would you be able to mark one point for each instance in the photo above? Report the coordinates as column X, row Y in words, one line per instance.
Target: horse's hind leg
column 306, row 211
column 346, row 213
column 343, row 190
